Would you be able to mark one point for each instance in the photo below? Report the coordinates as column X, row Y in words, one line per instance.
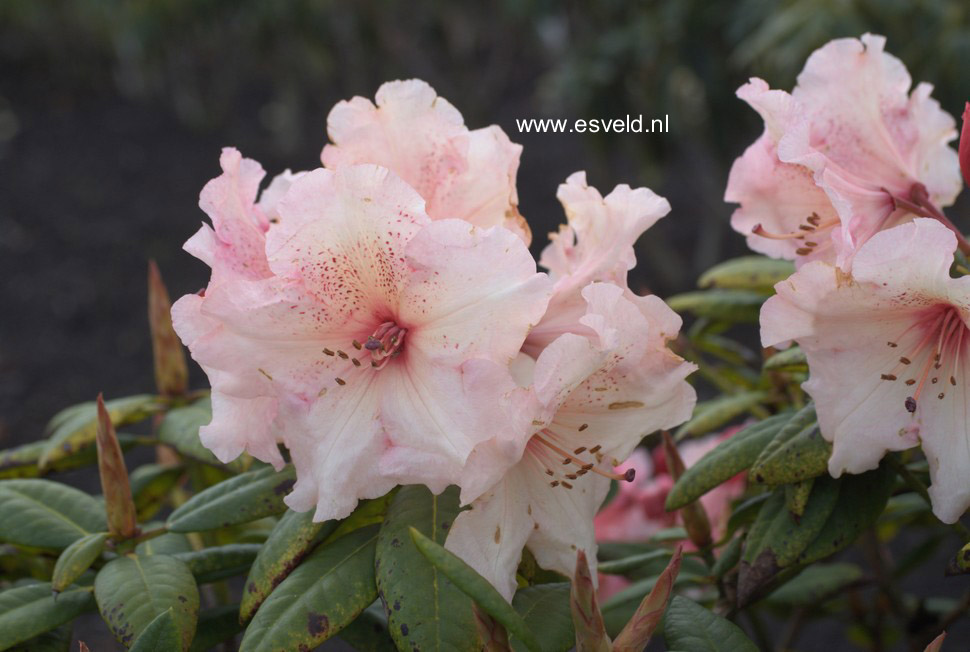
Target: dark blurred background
column 112, row 114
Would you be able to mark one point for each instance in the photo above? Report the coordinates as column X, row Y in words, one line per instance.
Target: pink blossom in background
column 361, row 337
column 460, row 173
column 887, row 351
column 596, row 396
column 849, row 138
column 637, row 511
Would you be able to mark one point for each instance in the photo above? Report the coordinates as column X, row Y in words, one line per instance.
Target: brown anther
column 554, row 483
column 567, row 485
column 595, row 449
column 340, row 381
column 953, row 381
column 911, row 381
column 888, row 377
column 342, row 355
column 355, row 361
column 940, row 395
column 358, row 345
column 806, row 227
column 803, row 251
column 327, row 352
column 583, row 427
column 892, row 344
column 550, row 472
column 571, row 476
column 905, row 360
column 567, row 461
column 579, row 450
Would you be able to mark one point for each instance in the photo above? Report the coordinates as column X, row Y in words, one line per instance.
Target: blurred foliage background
column 112, row 114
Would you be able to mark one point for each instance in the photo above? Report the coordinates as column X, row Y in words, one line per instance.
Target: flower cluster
column 382, row 318
column 848, row 179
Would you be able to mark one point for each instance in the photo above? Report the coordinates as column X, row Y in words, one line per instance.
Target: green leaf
column 777, row 539
column 134, row 590
column 369, row 631
column 633, row 563
column 215, row 626
column 76, row 559
column 219, row 562
column 46, row 514
column 710, row 415
column 160, row 634
column 797, row 495
column 729, row 458
column 75, row 427
column 545, row 610
column 425, row 610
column 293, row 537
column 728, row 559
column 325, row 593
column 151, row 486
column 861, row 501
column 741, row 306
column 747, row 273
column 180, row 430
column 170, row 543
column 22, row 461
column 29, row 610
column 56, row 640
column 815, row 584
column 247, row 497
column 368, row 512
column 689, row 626
column 791, row 359
column 797, row 453
column 476, row 587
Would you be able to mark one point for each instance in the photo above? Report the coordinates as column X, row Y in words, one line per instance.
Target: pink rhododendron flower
column 364, row 339
column 235, row 244
column 595, row 245
column 848, row 153
column 462, row 174
column 596, row 397
column 887, row 351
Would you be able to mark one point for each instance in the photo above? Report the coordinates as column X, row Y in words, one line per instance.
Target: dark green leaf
column 729, row 458
column 46, row 514
column 219, row 562
column 689, row 626
column 76, row 559
column 30, row 610
column 170, row 543
column 246, row 497
column 545, row 610
column 56, row 640
column 797, row 453
column 160, row 634
column 215, row 626
column 476, row 587
column 425, row 610
column 777, row 539
column 134, row 590
column 22, row 461
column 369, row 632
column 75, row 427
column 728, row 559
column 742, row 306
column 293, row 537
column 747, row 273
column 814, row 584
column 324, row 594
column 710, row 415
column 861, row 501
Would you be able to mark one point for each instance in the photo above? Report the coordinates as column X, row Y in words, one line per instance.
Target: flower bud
column 695, row 519
column 588, row 621
column 120, row 506
column 171, row 369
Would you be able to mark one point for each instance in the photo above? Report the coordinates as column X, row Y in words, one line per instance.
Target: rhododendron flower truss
column 887, row 351
column 595, row 245
column 461, row 173
column 364, row 340
column 597, row 396
column 848, row 153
